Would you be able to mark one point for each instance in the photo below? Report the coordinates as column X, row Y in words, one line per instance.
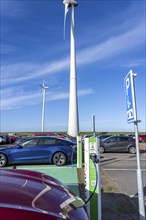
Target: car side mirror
column 18, row 146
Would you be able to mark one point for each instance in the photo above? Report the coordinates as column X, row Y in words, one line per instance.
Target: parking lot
column 122, row 167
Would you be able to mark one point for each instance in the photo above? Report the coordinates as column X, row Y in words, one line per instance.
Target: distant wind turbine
column 73, row 123
column 43, row 103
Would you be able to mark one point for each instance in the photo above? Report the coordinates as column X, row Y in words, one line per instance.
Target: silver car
column 118, row 144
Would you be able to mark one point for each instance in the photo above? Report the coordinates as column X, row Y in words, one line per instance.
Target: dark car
column 118, row 144
column 103, row 136
column 36, row 150
column 28, row 195
column 3, row 139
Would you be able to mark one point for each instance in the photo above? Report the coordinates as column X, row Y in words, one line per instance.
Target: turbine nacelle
column 43, row 86
column 70, row 3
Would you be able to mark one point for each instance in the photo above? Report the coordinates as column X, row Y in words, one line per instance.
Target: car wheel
column 102, row 150
column 132, row 150
column 59, row 159
column 3, row 160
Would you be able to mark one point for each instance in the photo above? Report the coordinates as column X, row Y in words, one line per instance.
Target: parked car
column 3, row 139
column 47, row 134
column 102, row 136
column 36, row 150
column 12, row 137
column 132, row 135
column 31, row 195
column 21, row 139
column 86, row 136
column 142, row 137
column 118, row 144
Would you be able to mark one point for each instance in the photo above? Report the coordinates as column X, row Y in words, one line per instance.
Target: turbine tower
column 43, row 103
column 73, row 123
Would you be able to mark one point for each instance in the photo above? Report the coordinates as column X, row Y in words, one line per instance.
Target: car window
column 59, row 142
column 50, row 141
column 30, row 143
column 122, row 139
column 47, row 141
column 112, row 139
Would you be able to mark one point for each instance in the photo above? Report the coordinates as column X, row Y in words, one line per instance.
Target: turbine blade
column 65, row 13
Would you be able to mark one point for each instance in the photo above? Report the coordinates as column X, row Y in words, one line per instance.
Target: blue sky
column 110, row 41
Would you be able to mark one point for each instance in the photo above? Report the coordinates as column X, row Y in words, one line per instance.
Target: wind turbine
column 43, row 103
column 73, row 123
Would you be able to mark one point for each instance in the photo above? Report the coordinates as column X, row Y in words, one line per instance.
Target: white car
column 1, row 140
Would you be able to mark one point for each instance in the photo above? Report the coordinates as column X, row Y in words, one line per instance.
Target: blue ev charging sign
column 129, row 88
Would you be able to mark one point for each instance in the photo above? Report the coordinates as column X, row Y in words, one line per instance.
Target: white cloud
column 15, row 74
column 18, row 101
column 11, row 8
column 15, row 100
column 114, row 46
column 117, row 45
column 29, row 71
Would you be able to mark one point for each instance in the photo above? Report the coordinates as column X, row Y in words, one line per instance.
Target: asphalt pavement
column 122, row 167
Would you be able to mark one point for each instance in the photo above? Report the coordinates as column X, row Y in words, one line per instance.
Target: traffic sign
column 132, row 117
column 129, row 87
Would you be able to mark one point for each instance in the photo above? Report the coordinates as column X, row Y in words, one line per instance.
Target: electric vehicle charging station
column 92, row 178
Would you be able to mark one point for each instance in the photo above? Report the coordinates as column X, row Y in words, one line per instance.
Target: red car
column 48, row 134
column 142, row 137
column 27, row 195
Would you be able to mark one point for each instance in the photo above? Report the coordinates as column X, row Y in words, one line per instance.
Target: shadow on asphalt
column 115, row 159
column 134, row 199
column 118, row 206
column 115, row 206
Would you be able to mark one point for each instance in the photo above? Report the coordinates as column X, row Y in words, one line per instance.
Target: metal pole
column 43, row 108
column 93, row 125
column 139, row 174
column 43, row 104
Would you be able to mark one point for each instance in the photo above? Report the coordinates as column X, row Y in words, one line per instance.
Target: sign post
column 132, row 117
column 93, row 125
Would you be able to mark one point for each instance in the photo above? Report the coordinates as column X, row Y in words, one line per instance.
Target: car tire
column 102, row 150
column 3, row 160
column 132, row 150
column 59, row 159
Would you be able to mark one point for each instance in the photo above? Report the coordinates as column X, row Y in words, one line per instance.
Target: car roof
column 48, row 137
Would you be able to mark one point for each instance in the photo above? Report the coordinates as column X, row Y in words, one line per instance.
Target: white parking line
column 123, row 169
column 136, row 196
column 133, row 196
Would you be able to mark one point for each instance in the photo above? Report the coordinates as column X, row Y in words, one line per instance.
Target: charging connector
column 94, row 158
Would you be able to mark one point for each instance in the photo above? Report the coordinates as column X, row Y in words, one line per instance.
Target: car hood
column 38, row 192
column 6, row 148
